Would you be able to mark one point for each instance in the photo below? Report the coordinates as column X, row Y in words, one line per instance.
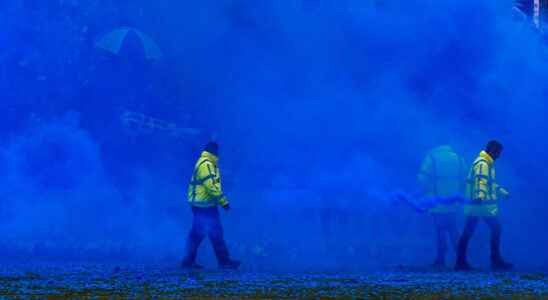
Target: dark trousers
column 206, row 221
column 446, row 228
column 470, row 227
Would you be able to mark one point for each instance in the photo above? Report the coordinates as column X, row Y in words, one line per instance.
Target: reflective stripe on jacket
column 205, row 189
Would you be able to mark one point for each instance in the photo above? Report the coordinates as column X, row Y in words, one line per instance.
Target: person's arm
column 501, row 191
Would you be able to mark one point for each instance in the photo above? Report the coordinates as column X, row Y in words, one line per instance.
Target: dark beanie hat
column 492, row 145
column 212, row 148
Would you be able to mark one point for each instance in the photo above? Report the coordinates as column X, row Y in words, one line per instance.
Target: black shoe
column 191, row 266
column 501, row 265
column 463, row 267
column 230, row 264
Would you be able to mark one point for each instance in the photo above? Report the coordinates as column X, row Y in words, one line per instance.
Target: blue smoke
column 323, row 110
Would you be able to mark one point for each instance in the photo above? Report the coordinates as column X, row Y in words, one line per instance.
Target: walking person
column 441, row 178
column 483, row 194
column 205, row 195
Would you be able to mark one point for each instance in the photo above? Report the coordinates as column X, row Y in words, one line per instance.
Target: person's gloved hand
column 226, row 207
column 504, row 193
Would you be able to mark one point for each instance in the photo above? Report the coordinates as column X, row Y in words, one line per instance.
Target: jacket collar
column 487, row 157
column 209, row 156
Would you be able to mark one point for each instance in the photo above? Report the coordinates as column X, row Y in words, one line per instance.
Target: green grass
column 175, row 284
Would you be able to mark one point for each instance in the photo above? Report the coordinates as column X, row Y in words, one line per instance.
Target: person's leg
column 496, row 258
column 462, row 247
column 195, row 237
column 494, row 226
column 216, row 235
column 441, row 244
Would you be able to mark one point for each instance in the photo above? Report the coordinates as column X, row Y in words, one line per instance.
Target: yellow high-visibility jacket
column 482, row 190
column 205, row 189
column 442, row 174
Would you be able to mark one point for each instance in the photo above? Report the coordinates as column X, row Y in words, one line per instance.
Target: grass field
column 109, row 281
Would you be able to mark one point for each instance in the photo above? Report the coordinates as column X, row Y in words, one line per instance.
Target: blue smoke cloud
column 322, row 111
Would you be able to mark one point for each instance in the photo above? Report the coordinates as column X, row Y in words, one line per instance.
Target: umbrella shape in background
column 122, row 38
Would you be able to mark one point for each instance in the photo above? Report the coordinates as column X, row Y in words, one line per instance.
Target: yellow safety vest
column 205, row 189
column 481, row 188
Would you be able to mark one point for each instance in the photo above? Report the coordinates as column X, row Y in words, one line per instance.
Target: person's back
column 442, row 175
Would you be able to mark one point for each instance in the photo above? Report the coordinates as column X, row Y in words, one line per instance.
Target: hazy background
column 322, row 109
